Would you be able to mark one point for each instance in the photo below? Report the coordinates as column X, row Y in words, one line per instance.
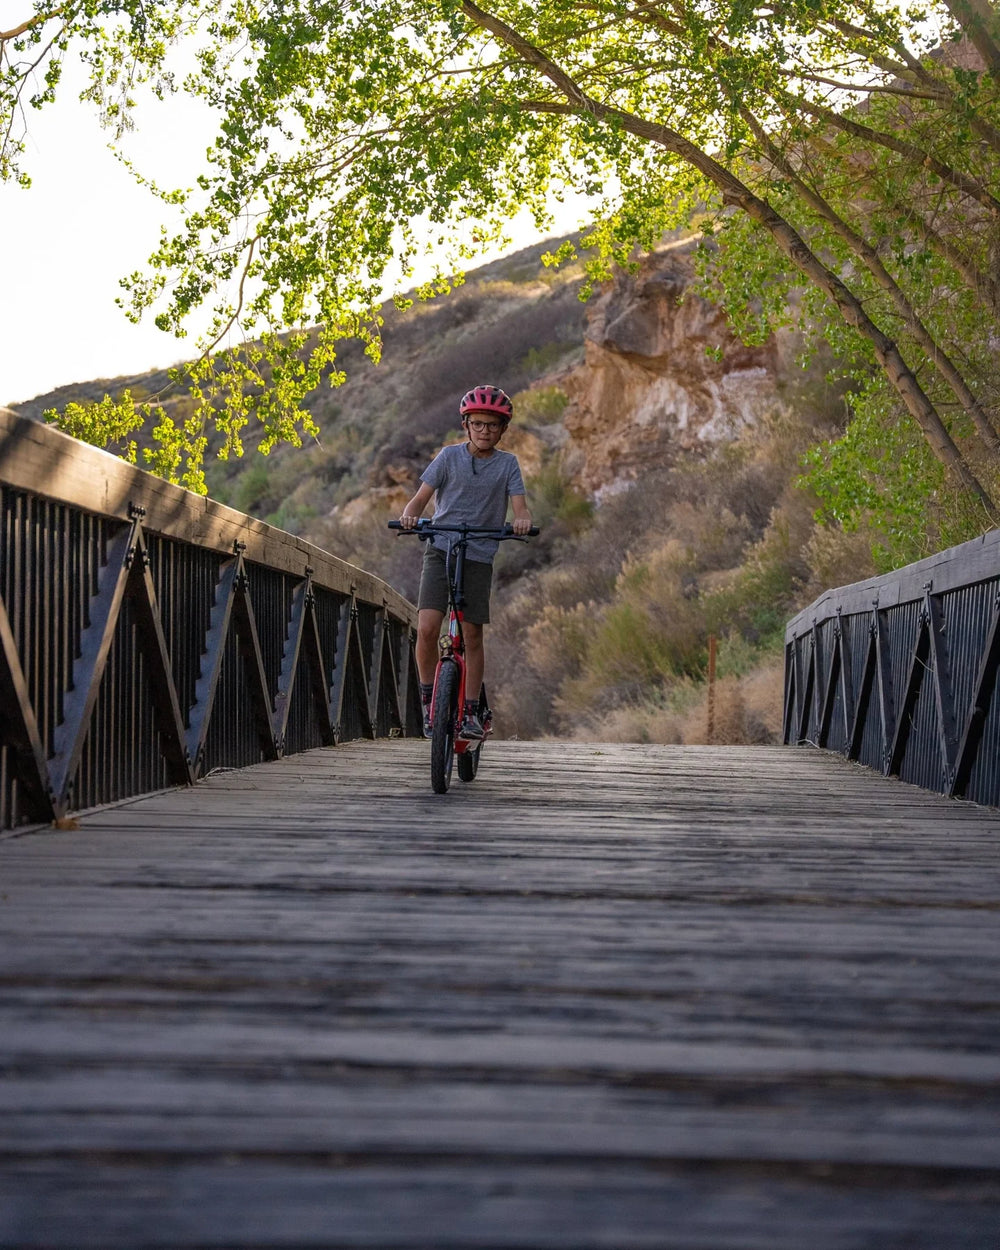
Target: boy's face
column 484, row 429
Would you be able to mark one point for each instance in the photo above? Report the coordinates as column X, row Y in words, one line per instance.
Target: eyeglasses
column 482, row 426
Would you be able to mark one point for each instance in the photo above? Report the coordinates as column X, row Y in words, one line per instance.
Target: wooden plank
column 604, row 996
column 331, row 1202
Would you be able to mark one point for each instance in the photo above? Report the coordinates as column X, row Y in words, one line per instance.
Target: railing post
column 710, row 727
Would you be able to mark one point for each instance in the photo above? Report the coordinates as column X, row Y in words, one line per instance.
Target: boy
column 473, row 481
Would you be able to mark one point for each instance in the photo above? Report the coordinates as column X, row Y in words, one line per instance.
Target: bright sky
column 76, row 231
column 69, row 238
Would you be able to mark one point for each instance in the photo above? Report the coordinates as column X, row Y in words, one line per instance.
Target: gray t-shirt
column 473, row 490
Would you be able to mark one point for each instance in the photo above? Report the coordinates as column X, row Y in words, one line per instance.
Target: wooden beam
column 348, row 611
column 983, row 692
column 857, row 731
column 248, row 642
column 911, row 691
column 19, row 727
column 943, row 697
column 375, row 667
column 149, row 629
column 830, row 688
column 883, row 685
column 200, row 714
column 312, row 654
column 791, row 683
column 290, row 662
column 846, row 678
column 88, row 669
column 808, row 694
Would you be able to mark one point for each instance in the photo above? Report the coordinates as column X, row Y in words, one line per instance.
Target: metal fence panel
column 148, row 636
column 900, row 672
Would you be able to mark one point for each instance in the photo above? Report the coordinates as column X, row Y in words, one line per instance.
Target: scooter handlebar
column 425, row 526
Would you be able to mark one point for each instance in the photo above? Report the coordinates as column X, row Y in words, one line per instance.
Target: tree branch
column 912, row 93
column 961, row 182
column 869, row 257
column 39, row 19
column 790, row 243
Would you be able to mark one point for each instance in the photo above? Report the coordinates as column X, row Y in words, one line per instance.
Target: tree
column 357, row 136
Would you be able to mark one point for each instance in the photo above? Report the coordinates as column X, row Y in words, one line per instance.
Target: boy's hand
column 521, row 524
column 410, row 515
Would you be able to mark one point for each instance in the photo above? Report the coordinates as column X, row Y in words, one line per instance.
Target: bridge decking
column 605, row 996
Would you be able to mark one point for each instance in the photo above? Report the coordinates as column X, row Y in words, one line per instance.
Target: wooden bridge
column 605, row 996
column 260, row 988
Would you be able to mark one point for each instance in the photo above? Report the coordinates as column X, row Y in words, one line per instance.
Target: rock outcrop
column 662, row 373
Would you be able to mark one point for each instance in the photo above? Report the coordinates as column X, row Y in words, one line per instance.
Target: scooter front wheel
column 443, row 726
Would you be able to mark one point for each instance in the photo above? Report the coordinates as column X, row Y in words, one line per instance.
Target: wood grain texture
column 605, row 996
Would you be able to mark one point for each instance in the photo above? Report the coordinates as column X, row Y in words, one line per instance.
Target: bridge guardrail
column 149, row 635
column 900, row 672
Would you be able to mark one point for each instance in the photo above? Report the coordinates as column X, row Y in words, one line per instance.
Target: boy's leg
column 429, row 621
column 472, row 727
column 475, row 659
column 428, row 631
column 478, row 583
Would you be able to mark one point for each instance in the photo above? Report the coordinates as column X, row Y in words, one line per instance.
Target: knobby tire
column 443, row 732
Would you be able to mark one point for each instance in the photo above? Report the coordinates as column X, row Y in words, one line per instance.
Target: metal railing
column 900, row 672
column 149, row 636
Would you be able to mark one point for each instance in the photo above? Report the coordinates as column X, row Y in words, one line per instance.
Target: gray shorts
column 434, row 586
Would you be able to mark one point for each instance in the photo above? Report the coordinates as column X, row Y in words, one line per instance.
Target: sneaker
column 471, row 726
column 428, row 732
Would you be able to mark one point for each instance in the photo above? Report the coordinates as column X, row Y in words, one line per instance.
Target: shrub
column 649, row 635
column 541, row 406
column 757, row 598
column 252, row 492
column 554, row 498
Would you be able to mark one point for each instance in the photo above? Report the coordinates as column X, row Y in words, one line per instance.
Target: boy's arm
column 411, row 513
column 522, row 517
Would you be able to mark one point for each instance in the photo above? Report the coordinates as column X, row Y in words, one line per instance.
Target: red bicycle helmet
column 487, row 399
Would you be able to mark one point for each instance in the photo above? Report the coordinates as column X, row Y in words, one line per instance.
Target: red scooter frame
column 448, row 699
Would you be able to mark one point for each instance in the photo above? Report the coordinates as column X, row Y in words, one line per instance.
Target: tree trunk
column 982, row 24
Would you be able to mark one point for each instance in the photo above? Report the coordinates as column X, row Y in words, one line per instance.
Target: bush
column 252, row 492
column 554, row 498
column 541, row 406
column 647, row 636
column 757, row 598
column 747, row 710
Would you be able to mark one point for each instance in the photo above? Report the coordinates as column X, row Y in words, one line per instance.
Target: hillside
column 660, row 455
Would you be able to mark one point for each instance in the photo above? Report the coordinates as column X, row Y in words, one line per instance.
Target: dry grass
column 747, row 710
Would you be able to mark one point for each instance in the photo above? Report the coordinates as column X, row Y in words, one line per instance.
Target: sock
column 426, row 691
column 472, row 707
